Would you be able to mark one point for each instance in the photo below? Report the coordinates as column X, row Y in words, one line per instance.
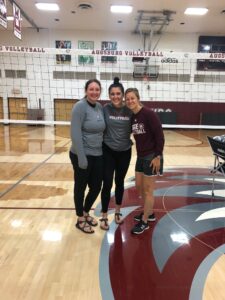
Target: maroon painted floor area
column 133, row 271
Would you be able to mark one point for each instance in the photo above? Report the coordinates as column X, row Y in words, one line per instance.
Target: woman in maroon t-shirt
column 149, row 137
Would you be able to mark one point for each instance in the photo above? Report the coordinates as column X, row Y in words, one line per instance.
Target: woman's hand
column 155, row 164
column 82, row 162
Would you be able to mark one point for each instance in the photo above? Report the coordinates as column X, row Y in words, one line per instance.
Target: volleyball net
column 41, row 85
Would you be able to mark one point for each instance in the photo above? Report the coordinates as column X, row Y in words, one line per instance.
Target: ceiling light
column 121, row 9
column 196, row 11
column 47, row 6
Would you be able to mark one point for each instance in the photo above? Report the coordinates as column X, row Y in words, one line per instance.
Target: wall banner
column 3, row 13
column 17, row 21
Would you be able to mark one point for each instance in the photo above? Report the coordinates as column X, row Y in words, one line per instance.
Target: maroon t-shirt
column 148, row 133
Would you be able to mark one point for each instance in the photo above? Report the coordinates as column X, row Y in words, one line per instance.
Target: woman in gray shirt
column 87, row 126
column 116, row 150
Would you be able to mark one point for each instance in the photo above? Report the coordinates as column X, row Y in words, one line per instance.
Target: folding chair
column 218, row 149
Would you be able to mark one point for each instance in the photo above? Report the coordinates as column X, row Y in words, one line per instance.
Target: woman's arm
column 78, row 115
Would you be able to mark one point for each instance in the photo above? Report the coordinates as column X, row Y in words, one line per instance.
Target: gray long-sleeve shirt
column 118, row 127
column 87, row 126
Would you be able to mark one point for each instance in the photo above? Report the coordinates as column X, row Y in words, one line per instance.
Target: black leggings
column 92, row 176
column 114, row 162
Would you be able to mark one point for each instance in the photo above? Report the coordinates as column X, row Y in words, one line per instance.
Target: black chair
column 218, row 149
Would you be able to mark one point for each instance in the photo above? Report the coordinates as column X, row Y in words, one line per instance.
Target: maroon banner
column 3, row 13
column 17, row 21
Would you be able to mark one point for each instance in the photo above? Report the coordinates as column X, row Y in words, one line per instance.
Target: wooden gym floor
column 43, row 256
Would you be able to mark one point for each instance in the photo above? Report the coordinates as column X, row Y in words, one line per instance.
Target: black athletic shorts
column 143, row 165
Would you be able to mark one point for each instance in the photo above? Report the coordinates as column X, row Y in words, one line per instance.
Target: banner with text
column 17, row 21
column 3, row 13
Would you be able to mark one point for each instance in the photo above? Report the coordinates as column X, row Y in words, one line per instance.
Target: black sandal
column 82, row 228
column 118, row 220
column 106, row 224
column 90, row 220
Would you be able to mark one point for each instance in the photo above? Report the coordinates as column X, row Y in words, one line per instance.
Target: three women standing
column 90, row 126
